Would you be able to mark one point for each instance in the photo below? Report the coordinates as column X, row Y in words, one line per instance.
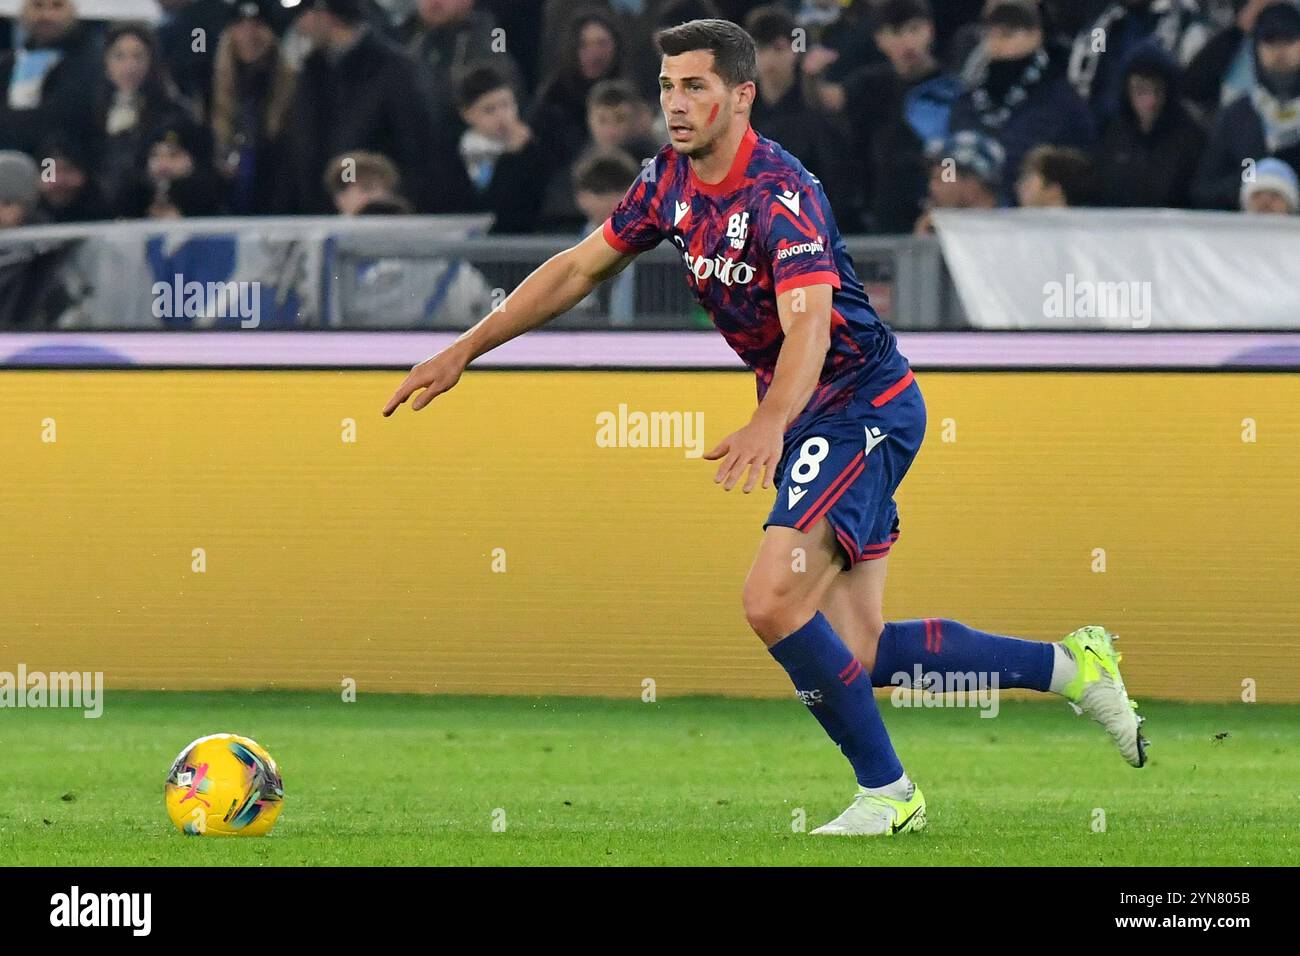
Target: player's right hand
column 435, row 375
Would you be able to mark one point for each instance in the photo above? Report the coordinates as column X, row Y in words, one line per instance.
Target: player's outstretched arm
column 553, row 288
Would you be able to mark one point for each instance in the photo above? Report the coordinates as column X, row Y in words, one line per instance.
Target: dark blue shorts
column 845, row 467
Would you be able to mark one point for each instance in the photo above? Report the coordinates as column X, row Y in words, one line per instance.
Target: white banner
column 1123, row 269
column 147, row 10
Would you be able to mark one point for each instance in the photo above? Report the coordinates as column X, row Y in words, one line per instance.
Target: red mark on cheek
column 714, row 115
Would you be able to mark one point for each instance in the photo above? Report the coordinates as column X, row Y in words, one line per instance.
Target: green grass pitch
column 421, row 780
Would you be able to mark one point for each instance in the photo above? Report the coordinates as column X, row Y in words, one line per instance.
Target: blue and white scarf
column 995, row 115
column 31, row 67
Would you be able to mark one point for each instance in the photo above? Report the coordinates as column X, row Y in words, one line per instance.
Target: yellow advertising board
column 204, row 529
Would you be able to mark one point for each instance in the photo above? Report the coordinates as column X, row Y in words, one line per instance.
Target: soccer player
column 839, row 419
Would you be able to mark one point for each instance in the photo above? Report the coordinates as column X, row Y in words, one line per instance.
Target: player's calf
column 1083, row 668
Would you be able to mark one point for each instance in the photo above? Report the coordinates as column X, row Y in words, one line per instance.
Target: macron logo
column 682, row 211
column 790, row 200
column 795, row 494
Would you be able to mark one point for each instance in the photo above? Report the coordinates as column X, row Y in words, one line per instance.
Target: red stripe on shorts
column 836, row 487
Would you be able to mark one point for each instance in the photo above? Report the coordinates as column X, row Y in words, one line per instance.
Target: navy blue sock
column 831, row 681
column 938, row 644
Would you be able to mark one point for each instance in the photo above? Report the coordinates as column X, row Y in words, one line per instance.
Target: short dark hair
column 610, row 171
column 1013, row 15
column 895, row 13
column 478, row 80
column 613, row 93
column 1062, row 166
column 734, row 56
column 770, row 24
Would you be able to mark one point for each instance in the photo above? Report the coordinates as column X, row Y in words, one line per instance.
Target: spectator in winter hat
column 966, row 172
column 1273, row 189
column 19, row 190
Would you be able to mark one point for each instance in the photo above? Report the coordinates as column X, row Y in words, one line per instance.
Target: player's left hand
column 757, row 447
column 435, row 375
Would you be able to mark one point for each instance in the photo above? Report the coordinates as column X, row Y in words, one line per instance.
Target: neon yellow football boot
column 1098, row 690
column 873, row 815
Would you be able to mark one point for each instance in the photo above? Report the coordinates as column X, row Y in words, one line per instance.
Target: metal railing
column 371, row 273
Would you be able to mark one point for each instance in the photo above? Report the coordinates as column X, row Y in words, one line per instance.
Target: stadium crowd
column 542, row 111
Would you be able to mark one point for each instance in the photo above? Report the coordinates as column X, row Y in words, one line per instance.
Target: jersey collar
column 736, row 175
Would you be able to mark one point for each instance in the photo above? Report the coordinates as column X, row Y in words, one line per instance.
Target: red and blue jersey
column 763, row 230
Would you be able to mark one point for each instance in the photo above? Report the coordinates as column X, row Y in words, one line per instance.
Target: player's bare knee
column 774, row 614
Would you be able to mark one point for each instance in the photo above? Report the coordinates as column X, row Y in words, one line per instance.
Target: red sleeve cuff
column 616, row 242
column 829, row 278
